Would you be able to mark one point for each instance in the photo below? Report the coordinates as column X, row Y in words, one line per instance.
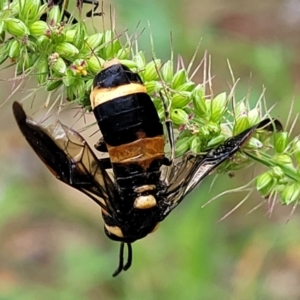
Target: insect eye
column 144, row 202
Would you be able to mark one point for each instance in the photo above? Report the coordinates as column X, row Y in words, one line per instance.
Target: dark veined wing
column 192, row 169
column 70, row 159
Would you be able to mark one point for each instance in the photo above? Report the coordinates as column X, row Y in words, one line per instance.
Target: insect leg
column 169, row 126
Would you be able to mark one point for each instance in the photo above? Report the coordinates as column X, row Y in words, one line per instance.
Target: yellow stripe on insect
column 101, row 95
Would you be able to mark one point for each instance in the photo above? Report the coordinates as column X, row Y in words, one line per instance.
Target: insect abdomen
column 129, row 124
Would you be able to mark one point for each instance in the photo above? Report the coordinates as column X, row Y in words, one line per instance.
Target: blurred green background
column 52, row 244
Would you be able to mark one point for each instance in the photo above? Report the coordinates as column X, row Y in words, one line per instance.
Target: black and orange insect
column 147, row 185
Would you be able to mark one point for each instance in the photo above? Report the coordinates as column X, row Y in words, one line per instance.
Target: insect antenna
column 121, row 266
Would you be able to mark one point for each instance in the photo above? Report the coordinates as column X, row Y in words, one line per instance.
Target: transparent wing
column 190, row 171
column 69, row 158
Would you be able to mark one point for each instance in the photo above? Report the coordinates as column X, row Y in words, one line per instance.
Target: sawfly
column 147, row 184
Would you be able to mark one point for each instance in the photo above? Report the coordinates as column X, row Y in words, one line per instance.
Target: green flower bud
column 253, row 116
column 179, row 116
column 140, row 60
column 53, row 85
column 281, row 140
column 14, row 49
column 198, row 96
column 123, row 53
column 30, row 10
column 94, row 41
column 188, row 86
column 195, row 144
column 277, row 172
column 2, row 37
column 2, row 31
column 43, row 9
column 182, row 146
column 290, row 193
column 150, row 72
column 264, row 183
column 95, row 64
column 59, row 66
column 3, row 57
column 70, row 34
column 167, row 71
column 16, row 27
column 181, row 99
column 218, row 107
column 111, row 50
column 24, row 63
column 215, row 141
column 76, row 91
column 67, row 50
column 69, row 80
column 152, row 87
column 254, row 143
column 129, row 63
column 240, row 108
column 38, row 28
column 179, row 79
column 241, row 124
column 296, row 150
column 54, row 15
column 43, row 43
column 283, row 159
column 79, row 38
column 42, row 71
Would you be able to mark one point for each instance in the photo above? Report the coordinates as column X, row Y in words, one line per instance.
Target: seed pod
column 195, row 144
column 24, row 63
column 167, row 71
column 140, row 60
column 43, row 71
column 43, row 43
column 54, row 15
column 290, row 193
column 152, row 87
column 182, row 146
column 95, row 64
column 218, row 107
column 66, row 50
column 179, row 79
column 281, row 140
column 264, row 183
column 38, row 28
column 253, row 116
column 198, row 97
column 16, row 27
column 59, row 66
column 181, row 99
column 70, row 34
column 278, row 172
column 179, row 116
column 94, row 41
column 241, row 124
column 215, row 141
column 283, row 159
column 151, row 68
column 111, row 50
column 30, row 10
column 123, row 53
column 14, row 49
column 53, row 85
column 188, row 86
